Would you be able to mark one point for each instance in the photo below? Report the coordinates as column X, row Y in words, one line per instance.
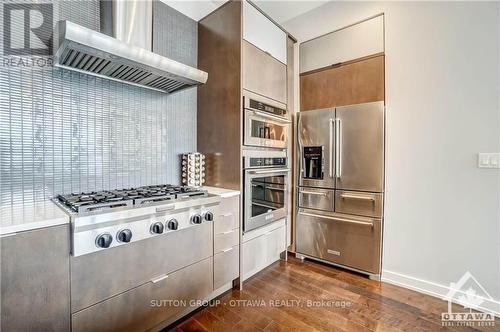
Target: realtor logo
column 470, row 294
column 27, row 29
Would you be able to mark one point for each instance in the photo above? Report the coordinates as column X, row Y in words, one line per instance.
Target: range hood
column 122, row 51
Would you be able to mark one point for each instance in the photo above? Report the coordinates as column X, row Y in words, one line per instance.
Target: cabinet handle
column 226, row 250
column 366, row 198
column 350, row 221
column 226, row 215
column 313, row 193
column 159, row 278
column 225, row 233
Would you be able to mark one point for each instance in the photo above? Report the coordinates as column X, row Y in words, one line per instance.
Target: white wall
column 442, row 213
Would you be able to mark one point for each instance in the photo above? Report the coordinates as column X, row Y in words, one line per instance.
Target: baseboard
column 434, row 289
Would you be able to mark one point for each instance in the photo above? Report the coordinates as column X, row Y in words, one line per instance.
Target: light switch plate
column 488, row 160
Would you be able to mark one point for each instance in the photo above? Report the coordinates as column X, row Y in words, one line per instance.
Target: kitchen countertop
column 25, row 217
column 222, row 192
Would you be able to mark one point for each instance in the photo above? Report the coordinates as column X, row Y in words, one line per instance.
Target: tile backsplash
column 63, row 131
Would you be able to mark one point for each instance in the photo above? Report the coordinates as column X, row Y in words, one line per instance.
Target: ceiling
column 280, row 11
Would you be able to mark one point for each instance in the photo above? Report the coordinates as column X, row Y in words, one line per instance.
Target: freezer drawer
column 340, row 238
column 318, row 199
column 359, row 203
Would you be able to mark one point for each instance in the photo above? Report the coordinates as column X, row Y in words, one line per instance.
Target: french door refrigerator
column 341, row 185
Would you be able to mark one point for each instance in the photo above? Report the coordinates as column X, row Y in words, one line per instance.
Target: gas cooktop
column 104, row 200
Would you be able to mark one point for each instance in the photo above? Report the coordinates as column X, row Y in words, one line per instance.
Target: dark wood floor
column 374, row 306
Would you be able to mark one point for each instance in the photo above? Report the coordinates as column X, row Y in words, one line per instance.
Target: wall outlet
column 488, row 160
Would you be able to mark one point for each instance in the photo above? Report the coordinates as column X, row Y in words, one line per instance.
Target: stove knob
column 209, row 216
column 156, row 228
column 172, row 224
column 124, row 236
column 196, row 219
column 103, row 240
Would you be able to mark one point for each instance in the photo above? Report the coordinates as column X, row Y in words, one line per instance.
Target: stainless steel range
column 107, row 219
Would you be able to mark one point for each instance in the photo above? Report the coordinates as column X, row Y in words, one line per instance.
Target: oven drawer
column 340, row 238
column 226, row 266
column 318, row 199
column 100, row 275
column 146, row 306
column 226, row 240
column 359, row 203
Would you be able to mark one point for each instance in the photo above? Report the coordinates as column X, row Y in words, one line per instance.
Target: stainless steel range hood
column 122, row 52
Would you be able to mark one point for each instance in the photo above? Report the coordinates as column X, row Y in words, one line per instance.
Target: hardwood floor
column 309, row 296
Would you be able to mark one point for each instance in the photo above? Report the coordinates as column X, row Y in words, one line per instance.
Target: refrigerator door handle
column 330, row 146
column 338, row 148
column 366, row 198
column 350, row 221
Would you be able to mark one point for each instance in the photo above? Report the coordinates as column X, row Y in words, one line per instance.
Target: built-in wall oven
column 266, row 122
column 266, row 187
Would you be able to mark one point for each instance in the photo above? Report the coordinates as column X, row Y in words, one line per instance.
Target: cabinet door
column 338, row 46
column 35, row 280
column 263, row 74
column 263, row 250
column 263, row 33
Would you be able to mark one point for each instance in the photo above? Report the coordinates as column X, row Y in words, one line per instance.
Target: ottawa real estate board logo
column 27, row 33
column 471, row 295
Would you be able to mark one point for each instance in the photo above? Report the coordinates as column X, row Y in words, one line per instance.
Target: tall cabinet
column 242, row 50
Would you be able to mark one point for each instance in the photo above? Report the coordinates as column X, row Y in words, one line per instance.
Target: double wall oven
column 266, row 172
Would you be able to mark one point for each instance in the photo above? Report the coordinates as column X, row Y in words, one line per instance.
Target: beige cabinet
column 354, row 42
column 263, row 74
column 263, row 248
column 35, row 280
column 226, row 242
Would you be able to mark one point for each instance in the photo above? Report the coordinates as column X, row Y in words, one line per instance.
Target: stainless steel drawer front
column 148, row 305
column 359, row 203
column 340, row 238
column 98, row 276
column 318, row 199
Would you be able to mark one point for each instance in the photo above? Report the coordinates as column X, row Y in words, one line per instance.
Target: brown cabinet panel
column 352, row 83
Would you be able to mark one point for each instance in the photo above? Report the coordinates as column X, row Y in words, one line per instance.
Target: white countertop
column 24, row 217
column 222, row 192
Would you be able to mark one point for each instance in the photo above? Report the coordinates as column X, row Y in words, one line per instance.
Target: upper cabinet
column 263, row 33
column 353, row 42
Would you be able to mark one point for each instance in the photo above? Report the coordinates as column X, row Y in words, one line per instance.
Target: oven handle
column 362, row 223
column 270, row 171
column 273, row 117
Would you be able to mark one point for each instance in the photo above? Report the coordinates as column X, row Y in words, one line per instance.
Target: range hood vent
column 91, row 52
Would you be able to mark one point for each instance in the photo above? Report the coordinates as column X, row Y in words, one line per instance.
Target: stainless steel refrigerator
column 341, row 185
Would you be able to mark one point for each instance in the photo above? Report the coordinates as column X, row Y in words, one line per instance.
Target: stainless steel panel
column 117, row 17
column 318, row 199
column 316, row 128
column 359, row 203
column 262, row 73
column 148, row 305
column 339, row 238
column 35, row 288
column 226, row 240
column 226, row 266
column 361, row 147
column 100, row 275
